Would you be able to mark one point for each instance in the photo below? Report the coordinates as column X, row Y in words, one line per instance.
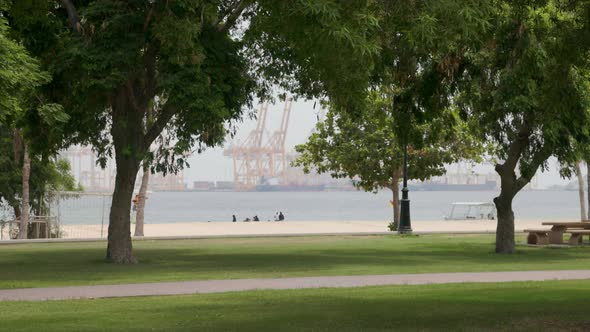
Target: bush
column 392, row 227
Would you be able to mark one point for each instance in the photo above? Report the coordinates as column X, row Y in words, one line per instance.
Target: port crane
column 254, row 161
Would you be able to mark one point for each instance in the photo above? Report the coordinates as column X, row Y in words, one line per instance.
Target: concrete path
column 218, row 286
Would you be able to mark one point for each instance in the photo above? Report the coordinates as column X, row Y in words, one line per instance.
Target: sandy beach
column 293, row 227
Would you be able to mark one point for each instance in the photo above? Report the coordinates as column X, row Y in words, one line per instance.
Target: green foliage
column 174, row 58
column 415, row 60
column 47, row 175
column 526, row 87
column 366, row 147
column 314, row 47
column 392, row 226
column 19, row 75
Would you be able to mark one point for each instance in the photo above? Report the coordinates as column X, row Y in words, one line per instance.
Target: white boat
column 472, row 211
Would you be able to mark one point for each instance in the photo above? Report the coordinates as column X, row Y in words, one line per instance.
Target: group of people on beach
column 279, row 216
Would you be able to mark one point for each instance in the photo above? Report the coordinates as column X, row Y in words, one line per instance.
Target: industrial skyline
column 215, row 165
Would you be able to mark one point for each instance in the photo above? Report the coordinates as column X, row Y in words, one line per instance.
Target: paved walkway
column 218, row 286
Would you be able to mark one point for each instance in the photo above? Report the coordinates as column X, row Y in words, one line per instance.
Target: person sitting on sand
column 281, row 216
column 255, row 218
column 247, row 219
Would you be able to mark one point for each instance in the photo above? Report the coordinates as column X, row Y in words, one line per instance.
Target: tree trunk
column 24, row 218
column 581, row 192
column 396, row 201
column 120, row 248
column 141, row 202
column 508, row 189
column 505, row 227
column 127, row 133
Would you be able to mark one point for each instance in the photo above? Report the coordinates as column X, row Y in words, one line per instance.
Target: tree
column 365, row 147
column 193, row 62
column 525, row 88
column 47, row 176
column 24, row 217
column 411, row 81
column 20, row 75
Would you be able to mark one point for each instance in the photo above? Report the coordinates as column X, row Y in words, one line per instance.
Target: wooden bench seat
column 537, row 236
column 577, row 234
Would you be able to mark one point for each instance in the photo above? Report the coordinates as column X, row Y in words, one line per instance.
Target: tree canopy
column 193, row 65
column 19, row 74
column 526, row 89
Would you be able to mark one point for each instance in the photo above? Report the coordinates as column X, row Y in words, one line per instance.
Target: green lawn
column 531, row 306
column 62, row 264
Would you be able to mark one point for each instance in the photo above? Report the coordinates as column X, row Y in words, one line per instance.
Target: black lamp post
column 405, row 225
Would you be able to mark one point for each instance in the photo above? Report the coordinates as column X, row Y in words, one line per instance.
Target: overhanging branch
column 162, row 120
column 233, row 16
column 538, row 158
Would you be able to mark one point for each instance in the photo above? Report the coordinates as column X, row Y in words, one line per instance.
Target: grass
column 63, row 264
column 531, row 306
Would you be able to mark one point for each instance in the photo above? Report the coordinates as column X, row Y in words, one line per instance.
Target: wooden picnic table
column 560, row 227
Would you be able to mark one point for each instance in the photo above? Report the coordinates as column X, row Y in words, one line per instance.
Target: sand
column 294, row 227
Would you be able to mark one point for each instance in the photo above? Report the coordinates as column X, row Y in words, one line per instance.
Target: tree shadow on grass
column 86, row 266
column 460, row 307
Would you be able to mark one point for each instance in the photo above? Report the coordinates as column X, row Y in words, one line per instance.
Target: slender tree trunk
column 588, row 183
column 141, row 202
column 24, row 218
column 581, row 192
column 127, row 132
column 396, row 202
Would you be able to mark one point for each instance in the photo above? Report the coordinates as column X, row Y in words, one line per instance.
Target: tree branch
column 132, row 98
column 150, row 70
column 73, row 17
column 148, row 18
column 538, row 158
column 162, row 120
column 233, row 16
column 515, row 149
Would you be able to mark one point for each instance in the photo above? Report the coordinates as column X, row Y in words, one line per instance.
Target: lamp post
column 405, row 225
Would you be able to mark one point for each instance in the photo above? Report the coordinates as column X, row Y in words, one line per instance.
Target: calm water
column 168, row 207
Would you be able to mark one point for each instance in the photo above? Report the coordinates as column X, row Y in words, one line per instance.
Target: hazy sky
column 211, row 165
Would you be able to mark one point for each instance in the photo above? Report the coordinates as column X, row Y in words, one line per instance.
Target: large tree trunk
column 505, row 227
column 127, row 132
column 24, row 217
column 581, row 192
column 120, row 248
column 141, row 202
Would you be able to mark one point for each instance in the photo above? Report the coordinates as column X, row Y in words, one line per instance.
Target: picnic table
column 555, row 234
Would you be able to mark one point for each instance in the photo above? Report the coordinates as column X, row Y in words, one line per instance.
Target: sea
column 171, row 207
